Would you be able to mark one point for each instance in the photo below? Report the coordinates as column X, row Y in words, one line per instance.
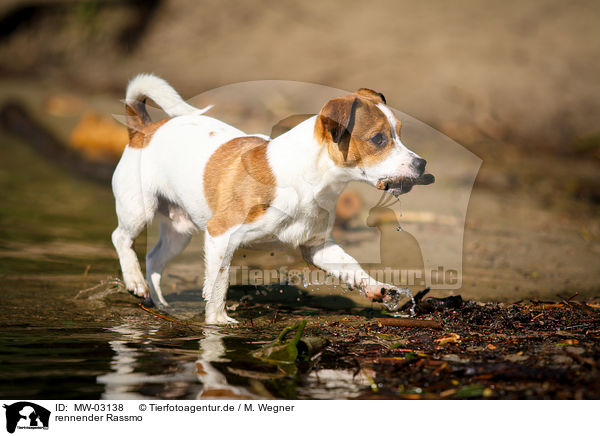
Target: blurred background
column 514, row 82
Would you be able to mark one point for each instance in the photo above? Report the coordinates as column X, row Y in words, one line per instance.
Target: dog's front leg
column 332, row 258
column 218, row 252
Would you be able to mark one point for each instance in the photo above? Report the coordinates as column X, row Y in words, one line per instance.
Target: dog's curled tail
column 145, row 86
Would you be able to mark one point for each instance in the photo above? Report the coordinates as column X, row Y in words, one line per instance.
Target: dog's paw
column 374, row 292
column 219, row 318
column 393, row 297
column 137, row 288
column 389, row 295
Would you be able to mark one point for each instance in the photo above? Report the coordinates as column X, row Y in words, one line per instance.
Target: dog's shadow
column 285, row 298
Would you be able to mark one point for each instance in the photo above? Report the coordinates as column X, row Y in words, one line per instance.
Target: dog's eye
column 379, row 140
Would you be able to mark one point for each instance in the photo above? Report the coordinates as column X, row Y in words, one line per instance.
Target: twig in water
column 160, row 315
column 85, row 273
column 114, row 286
column 567, row 300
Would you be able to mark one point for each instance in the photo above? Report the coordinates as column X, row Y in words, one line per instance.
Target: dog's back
column 161, row 172
column 165, row 159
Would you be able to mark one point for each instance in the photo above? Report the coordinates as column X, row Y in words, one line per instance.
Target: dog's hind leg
column 218, row 252
column 122, row 239
column 134, row 211
column 170, row 244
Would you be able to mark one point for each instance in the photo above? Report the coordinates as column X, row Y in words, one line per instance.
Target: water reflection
column 215, row 385
column 141, row 370
column 148, row 363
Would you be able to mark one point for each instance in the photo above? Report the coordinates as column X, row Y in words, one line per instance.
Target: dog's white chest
column 302, row 222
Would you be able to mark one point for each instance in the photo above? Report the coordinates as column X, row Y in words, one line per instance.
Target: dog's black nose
column 419, row 164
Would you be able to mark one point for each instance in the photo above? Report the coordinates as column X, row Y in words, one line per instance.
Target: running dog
column 198, row 173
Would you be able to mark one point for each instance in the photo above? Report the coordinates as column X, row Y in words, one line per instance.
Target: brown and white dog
column 197, row 173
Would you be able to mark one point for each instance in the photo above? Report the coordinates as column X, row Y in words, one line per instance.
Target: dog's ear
column 337, row 120
column 377, row 97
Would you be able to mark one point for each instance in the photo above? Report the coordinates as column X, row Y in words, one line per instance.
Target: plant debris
column 543, row 350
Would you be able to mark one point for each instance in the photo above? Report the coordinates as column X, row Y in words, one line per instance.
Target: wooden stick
column 409, row 322
column 546, row 306
column 160, row 315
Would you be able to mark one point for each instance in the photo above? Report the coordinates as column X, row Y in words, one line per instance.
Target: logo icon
column 26, row 415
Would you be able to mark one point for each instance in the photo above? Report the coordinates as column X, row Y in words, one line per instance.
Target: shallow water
column 125, row 362
column 68, row 351
column 59, row 343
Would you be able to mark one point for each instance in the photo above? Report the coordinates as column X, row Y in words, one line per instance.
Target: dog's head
column 362, row 135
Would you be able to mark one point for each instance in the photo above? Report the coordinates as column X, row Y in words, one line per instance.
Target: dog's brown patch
column 373, row 95
column 238, row 183
column 141, row 138
column 200, row 369
column 139, row 125
column 137, row 116
column 348, row 126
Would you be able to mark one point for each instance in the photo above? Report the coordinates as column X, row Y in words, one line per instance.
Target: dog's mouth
column 401, row 185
